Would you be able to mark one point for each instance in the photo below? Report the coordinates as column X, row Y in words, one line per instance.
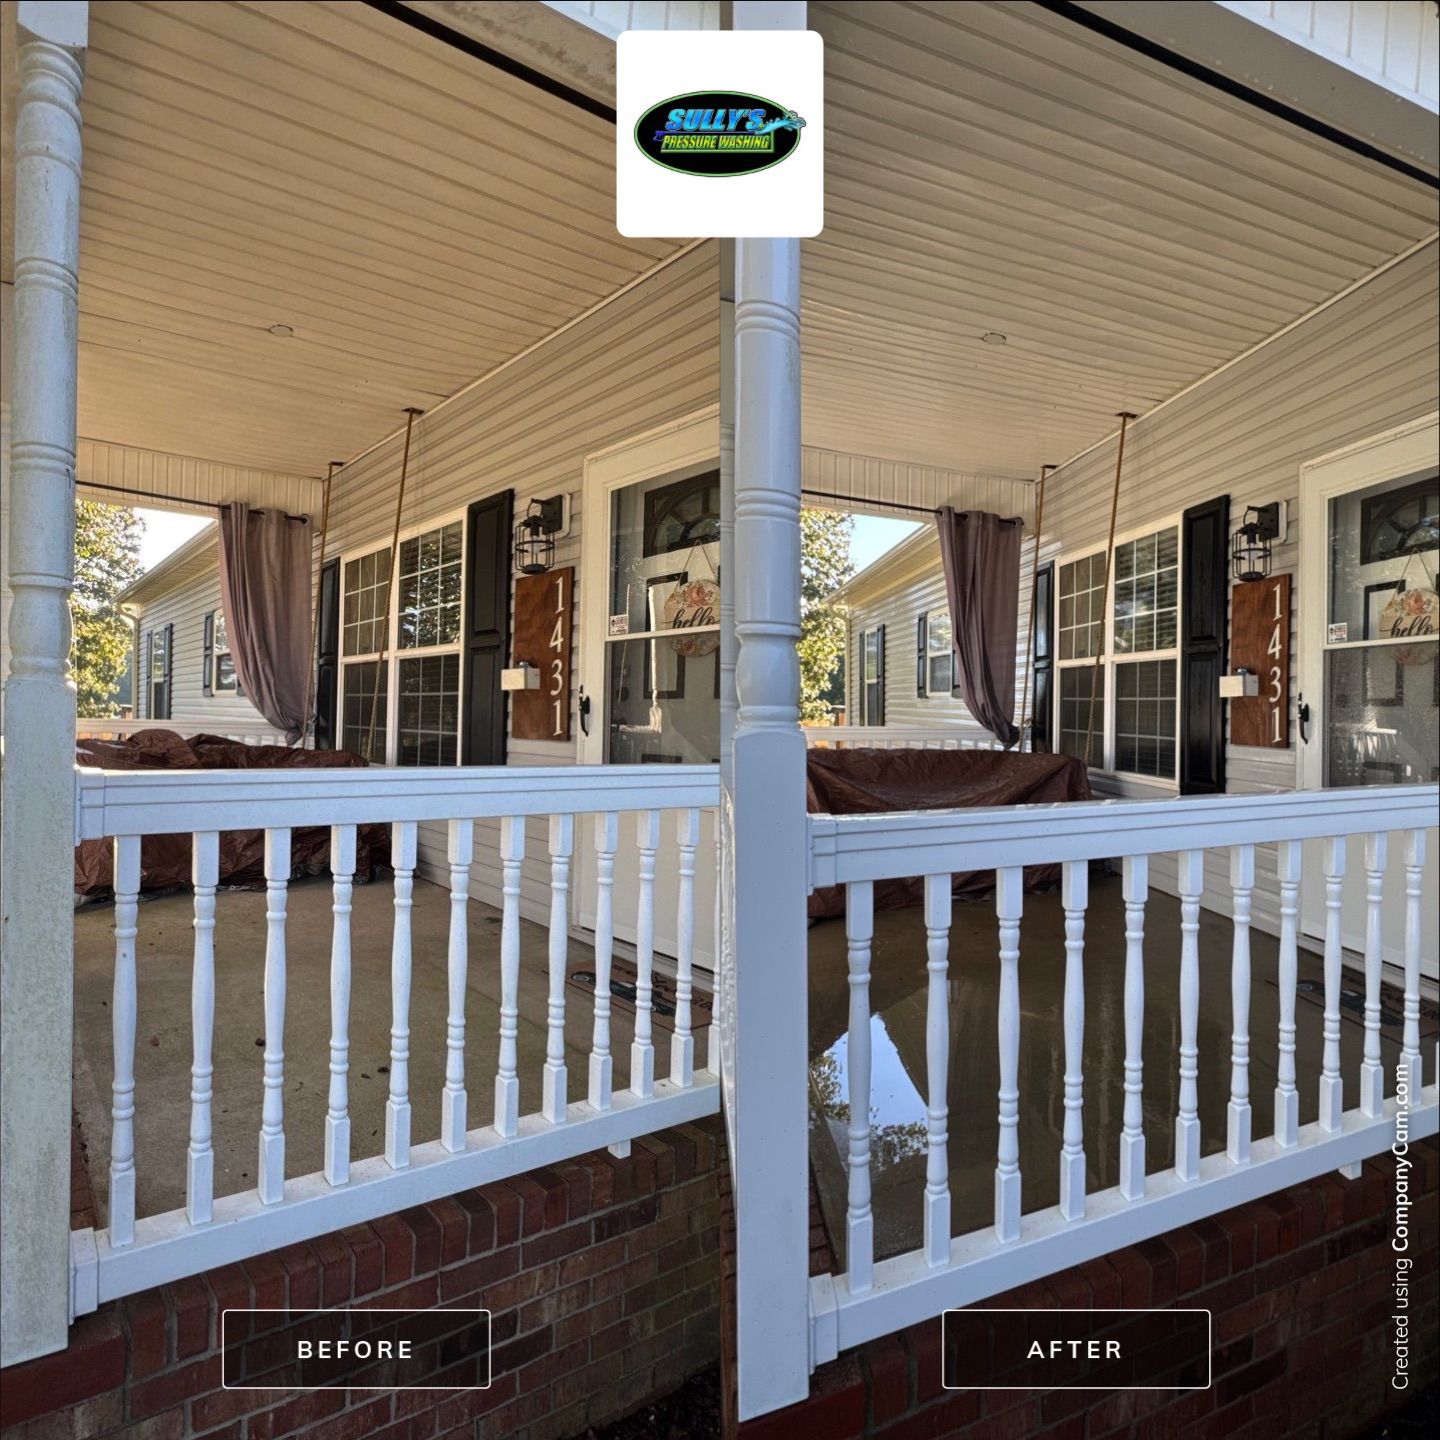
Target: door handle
column 584, row 708
column 1302, row 714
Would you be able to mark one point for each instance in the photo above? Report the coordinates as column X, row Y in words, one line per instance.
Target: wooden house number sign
column 544, row 618
column 1260, row 643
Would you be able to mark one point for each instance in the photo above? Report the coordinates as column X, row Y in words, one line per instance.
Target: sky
column 874, row 535
column 166, row 531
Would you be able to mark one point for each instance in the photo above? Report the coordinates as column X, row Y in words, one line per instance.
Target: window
column 159, row 683
column 940, row 653
column 872, row 676
column 404, row 709
column 221, row 662
column 1134, row 726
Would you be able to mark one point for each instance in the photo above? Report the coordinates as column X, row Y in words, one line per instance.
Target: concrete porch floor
column 163, row 1031
column 898, row 1066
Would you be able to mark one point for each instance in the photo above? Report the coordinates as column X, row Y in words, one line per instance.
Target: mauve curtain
column 265, row 588
column 981, row 556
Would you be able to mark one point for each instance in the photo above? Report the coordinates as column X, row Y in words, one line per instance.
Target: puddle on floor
column 898, row 1052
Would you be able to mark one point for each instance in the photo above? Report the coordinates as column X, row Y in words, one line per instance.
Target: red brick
column 369, row 1259
column 399, row 1242
column 887, row 1379
column 336, row 1261
column 482, row 1220
column 147, row 1319
column 267, row 1287
column 161, row 1392
column 426, row 1230
column 93, row 1363
column 454, row 1225
column 302, row 1277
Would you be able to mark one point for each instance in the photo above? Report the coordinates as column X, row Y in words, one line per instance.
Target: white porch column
column 39, row 770
column 766, row 798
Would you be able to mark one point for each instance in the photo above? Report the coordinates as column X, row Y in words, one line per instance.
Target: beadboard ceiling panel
column 995, row 168
column 414, row 215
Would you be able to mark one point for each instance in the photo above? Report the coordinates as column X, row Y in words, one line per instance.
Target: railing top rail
column 848, row 848
column 178, row 802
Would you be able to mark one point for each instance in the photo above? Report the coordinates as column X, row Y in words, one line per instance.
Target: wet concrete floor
column 898, row 1065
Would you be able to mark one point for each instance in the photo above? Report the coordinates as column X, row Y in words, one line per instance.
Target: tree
column 825, row 564
column 107, row 559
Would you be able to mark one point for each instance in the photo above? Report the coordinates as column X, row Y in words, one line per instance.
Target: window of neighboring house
column 413, row 695
column 872, row 676
column 1133, row 722
column 940, row 653
column 222, row 663
column 160, row 673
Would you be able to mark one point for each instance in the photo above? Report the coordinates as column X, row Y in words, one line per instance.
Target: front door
column 651, row 650
column 1370, row 545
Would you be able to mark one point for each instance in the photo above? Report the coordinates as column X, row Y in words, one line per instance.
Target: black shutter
column 880, row 675
column 921, row 656
column 327, row 657
column 487, row 628
column 1042, row 705
column 207, row 674
column 1204, row 610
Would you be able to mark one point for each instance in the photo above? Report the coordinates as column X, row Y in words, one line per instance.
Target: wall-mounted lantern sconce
column 1250, row 552
column 535, row 535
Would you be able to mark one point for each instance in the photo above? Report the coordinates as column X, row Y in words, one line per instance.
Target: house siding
column 193, row 712
column 1363, row 366
column 649, row 357
column 1358, row 368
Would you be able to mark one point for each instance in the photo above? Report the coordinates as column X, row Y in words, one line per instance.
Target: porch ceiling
column 998, row 168
column 415, row 215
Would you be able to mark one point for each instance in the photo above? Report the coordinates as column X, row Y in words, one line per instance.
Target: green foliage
column 107, row 559
column 824, row 565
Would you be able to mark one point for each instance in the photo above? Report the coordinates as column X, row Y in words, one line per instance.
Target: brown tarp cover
column 165, row 859
column 868, row 782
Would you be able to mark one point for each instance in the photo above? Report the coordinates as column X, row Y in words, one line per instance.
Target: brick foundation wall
column 1300, row 1285
column 602, row 1276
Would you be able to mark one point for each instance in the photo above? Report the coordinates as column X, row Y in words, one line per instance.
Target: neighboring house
column 900, row 663
column 186, row 677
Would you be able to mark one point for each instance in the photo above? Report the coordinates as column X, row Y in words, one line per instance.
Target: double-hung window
column 159, row 678
column 1132, row 722
column 872, row 676
column 218, row 656
column 939, row 653
column 404, row 708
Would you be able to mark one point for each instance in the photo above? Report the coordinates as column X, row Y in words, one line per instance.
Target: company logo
column 718, row 133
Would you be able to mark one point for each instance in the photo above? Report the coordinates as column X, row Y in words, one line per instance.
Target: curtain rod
column 929, row 511
column 157, row 495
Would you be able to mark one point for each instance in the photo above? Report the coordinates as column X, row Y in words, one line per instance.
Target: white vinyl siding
column 649, row 357
column 1361, row 367
column 192, row 712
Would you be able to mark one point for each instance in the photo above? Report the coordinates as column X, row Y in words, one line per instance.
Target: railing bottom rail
column 906, row 1290
column 168, row 1247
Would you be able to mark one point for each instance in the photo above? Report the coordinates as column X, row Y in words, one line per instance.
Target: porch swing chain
column 1125, row 417
column 312, row 683
column 1034, row 574
column 410, row 415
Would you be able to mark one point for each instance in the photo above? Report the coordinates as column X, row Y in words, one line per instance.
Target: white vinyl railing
column 110, row 729
column 136, row 1252
column 874, row 1298
column 900, row 737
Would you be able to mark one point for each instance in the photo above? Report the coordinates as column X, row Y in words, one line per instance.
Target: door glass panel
column 663, row 692
column 1383, row 723
column 663, row 706
column 1382, row 708
column 662, row 532
column 1384, row 542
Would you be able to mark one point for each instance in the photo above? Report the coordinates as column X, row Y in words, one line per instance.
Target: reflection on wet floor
column 898, row 1060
